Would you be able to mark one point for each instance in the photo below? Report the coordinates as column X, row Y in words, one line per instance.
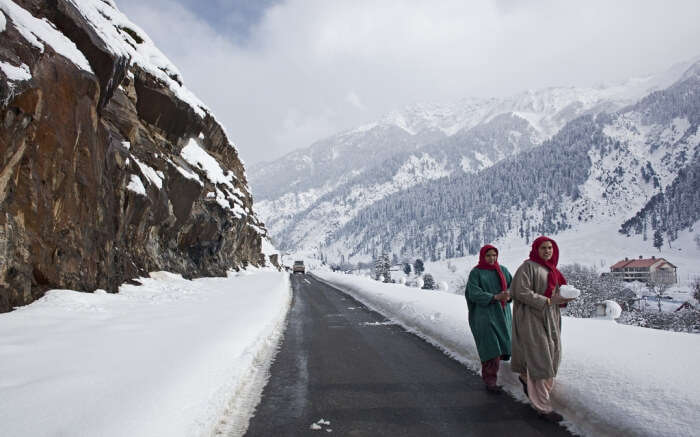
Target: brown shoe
column 552, row 416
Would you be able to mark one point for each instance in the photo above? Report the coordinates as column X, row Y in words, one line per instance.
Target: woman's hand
column 503, row 296
column 558, row 300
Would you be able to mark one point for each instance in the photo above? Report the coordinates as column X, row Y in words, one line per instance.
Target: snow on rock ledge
column 104, row 192
column 39, row 32
column 15, row 74
column 123, row 38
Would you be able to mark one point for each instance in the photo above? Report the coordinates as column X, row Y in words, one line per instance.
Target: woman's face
column 491, row 256
column 546, row 250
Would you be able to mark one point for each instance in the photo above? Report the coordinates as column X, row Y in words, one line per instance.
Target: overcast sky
column 280, row 74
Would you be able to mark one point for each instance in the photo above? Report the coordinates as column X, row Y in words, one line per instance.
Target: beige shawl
column 536, row 325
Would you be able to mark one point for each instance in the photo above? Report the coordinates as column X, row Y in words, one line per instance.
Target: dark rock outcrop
column 75, row 146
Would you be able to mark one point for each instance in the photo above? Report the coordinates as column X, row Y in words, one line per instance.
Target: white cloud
column 354, row 100
column 288, row 85
column 299, row 126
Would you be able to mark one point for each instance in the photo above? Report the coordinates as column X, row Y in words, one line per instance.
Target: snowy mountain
column 638, row 167
column 309, row 194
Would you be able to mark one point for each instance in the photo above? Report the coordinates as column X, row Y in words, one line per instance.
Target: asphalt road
column 364, row 376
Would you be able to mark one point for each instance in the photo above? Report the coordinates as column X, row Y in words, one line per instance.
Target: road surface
column 347, row 371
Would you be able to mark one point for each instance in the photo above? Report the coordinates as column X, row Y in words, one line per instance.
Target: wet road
column 364, row 376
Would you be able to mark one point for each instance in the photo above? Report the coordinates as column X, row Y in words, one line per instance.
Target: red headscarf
column 555, row 277
column 483, row 265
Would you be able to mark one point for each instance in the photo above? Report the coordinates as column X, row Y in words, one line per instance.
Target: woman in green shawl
column 489, row 314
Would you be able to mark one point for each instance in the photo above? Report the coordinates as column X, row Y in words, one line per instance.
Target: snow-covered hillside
column 330, row 213
column 595, row 244
column 308, row 194
column 602, row 169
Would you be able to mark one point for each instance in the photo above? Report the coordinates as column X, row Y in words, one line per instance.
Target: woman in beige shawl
column 537, row 324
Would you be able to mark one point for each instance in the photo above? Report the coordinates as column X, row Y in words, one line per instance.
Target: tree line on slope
column 669, row 212
column 455, row 215
column 678, row 207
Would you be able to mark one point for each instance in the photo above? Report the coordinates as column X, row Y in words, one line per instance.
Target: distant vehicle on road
column 299, row 267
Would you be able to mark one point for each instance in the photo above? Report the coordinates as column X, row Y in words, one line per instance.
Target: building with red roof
column 645, row 270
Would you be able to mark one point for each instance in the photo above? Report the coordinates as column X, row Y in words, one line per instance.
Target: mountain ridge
column 614, row 165
column 496, row 130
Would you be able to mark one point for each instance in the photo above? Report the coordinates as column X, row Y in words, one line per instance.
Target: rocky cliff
column 109, row 167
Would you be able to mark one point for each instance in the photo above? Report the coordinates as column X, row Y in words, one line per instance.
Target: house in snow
column 645, row 270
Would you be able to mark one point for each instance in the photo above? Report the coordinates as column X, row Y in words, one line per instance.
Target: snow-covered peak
column 550, row 100
column 363, row 128
column 692, row 71
column 547, row 109
column 448, row 118
column 533, row 106
column 637, row 87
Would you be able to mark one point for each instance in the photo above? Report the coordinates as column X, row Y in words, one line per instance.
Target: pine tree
column 658, row 239
column 378, row 270
column 429, row 282
column 387, row 267
column 418, row 267
column 382, row 267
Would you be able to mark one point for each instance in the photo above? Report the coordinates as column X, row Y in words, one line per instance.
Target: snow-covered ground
column 178, row 357
column 596, row 244
column 171, row 357
column 592, row 244
column 614, row 379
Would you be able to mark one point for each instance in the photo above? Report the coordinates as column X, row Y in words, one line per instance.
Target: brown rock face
column 67, row 218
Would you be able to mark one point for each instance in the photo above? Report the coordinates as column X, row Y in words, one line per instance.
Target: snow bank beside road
column 169, row 358
column 614, row 379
